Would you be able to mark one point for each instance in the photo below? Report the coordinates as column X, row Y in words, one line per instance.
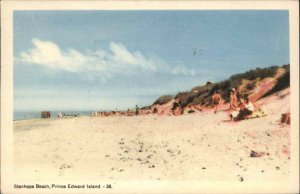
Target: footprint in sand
column 63, row 167
column 170, row 151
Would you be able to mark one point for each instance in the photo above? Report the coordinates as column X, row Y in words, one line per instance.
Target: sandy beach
column 202, row 146
column 150, row 97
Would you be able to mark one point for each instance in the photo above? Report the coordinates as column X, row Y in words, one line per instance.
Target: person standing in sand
column 233, row 100
column 216, row 100
column 136, row 110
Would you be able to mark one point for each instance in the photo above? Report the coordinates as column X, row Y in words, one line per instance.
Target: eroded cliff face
column 256, row 85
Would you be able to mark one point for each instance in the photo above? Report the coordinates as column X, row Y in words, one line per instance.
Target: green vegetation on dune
column 163, row 99
column 201, row 95
column 282, row 83
column 254, row 74
column 146, row 107
column 198, row 95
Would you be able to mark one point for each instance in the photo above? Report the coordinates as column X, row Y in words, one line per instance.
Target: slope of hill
column 256, row 84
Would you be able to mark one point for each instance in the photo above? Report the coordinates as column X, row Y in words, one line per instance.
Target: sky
column 107, row 60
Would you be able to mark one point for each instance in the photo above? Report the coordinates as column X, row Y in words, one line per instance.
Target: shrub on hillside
column 282, row 83
column 163, row 99
column 146, row 107
column 250, row 86
column 256, row 73
column 202, row 89
column 186, row 98
column 202, row 100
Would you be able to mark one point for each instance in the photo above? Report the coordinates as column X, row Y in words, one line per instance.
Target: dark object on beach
column 277, row 168
column 45, row 114
column 137, row 110
column 191, row 111
column 256, row 154
column 286, row 118
column 241, row 179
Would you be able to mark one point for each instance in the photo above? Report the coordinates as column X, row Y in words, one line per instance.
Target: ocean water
column 21, row 115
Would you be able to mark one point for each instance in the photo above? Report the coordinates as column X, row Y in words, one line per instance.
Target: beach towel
column 257, row 114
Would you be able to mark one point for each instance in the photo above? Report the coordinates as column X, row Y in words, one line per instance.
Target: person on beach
column 246, row 109
column 233, row 100
column 136, row 110
column 216, row 100
column 235, row 113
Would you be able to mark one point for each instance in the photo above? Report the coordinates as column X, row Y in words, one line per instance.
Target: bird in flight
column 195, row 51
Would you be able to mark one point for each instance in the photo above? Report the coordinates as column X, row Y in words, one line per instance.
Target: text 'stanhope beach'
column 158, row 96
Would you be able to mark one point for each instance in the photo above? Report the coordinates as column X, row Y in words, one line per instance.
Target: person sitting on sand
column 216, row 100
column 246, row 109
column 233, row 100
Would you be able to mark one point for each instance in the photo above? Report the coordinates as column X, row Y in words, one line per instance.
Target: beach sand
column 202, row 146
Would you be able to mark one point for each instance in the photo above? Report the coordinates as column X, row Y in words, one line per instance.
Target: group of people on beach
column 240, row 107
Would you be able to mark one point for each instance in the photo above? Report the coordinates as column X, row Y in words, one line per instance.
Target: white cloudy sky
column 91, row 60
column 116, row 60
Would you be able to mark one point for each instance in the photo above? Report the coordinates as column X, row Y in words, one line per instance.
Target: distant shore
column 25, row 115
